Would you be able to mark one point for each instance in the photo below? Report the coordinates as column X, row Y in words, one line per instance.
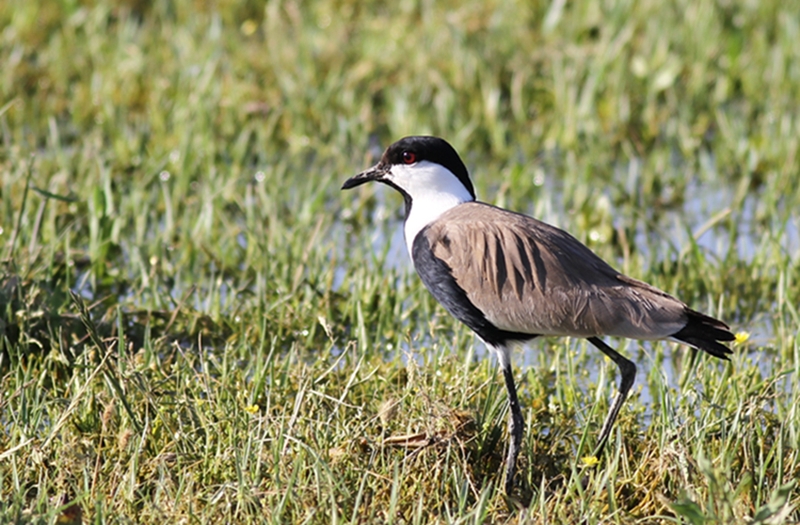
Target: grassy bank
column 197, row 326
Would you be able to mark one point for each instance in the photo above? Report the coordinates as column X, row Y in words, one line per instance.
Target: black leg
column 515, row 427
column 627, row 370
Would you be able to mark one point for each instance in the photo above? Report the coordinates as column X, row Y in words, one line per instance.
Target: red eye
column 409, row 158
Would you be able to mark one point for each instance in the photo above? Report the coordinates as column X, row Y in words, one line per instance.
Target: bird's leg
column 515, row 424
column 627, row 370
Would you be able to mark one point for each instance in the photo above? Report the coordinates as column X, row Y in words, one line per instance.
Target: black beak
column 376, row 172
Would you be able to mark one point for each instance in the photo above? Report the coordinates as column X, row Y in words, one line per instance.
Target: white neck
column 433, row 190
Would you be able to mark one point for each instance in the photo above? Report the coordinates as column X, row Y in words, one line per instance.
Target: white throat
column 433, row 190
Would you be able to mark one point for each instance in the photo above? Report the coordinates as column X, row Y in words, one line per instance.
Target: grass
column 196, row 326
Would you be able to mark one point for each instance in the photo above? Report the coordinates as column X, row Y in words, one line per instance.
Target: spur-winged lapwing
column 510, row 277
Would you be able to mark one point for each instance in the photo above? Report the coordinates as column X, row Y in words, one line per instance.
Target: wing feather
column 527, row 276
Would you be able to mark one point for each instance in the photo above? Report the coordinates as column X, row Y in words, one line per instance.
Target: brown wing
column 527, row 276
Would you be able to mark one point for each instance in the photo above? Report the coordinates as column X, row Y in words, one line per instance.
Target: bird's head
column 425, row 170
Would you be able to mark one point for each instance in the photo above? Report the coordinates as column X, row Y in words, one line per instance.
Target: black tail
column 704, row 332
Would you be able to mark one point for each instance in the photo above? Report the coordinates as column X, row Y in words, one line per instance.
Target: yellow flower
column 741, row 337
column 590, row 461
column 253, row 409
column 249, row 27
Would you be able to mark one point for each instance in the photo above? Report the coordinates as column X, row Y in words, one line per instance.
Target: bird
column 511, row 278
